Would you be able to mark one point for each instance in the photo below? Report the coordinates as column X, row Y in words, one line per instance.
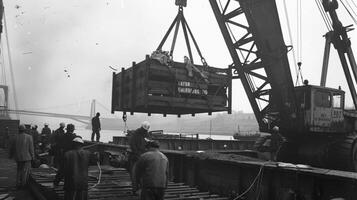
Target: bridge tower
column 4, row 90
column 92, row 108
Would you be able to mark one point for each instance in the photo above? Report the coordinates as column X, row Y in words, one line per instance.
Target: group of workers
column 70, row 159
column 148, row 167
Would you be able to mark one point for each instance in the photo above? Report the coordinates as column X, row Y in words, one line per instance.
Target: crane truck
column 312, row 119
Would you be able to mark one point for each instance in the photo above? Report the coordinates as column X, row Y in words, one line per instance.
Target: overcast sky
column 85, row 37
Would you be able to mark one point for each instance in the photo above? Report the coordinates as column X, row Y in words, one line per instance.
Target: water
column 107, row 135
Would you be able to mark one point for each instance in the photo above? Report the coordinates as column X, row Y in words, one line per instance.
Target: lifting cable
column 125, row 117
column 349, row 11
column 290, row 38
column 324, row 16
column 355, row 5
column 299, row 43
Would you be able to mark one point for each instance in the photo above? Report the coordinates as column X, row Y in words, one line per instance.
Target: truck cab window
column 322, row 99
column 336, row 100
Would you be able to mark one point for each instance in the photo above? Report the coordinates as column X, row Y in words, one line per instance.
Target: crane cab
column 321, row 109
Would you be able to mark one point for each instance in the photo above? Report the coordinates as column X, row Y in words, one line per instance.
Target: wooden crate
column 151, row 87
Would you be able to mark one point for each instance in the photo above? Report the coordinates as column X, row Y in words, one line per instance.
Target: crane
column 317, row 129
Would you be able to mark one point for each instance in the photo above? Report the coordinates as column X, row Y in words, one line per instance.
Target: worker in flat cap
column 76, row 163
column 21, row 149
column 151, row 173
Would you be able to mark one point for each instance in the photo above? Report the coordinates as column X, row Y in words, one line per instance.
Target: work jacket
column 151, row 170
column 22, row 148
column 76, row 169
column 137, row 142
column 95, row 123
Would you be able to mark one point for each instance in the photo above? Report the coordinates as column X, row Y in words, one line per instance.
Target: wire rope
column 323, row 15
column 351, row 8
column 290, row 35
column 348, row 11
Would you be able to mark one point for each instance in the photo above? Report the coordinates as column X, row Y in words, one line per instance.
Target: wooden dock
column 114, row 184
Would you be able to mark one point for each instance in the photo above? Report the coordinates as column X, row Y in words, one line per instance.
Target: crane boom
column 264, row 39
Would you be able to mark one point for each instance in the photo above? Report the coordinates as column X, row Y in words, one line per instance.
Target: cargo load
column 166, row 87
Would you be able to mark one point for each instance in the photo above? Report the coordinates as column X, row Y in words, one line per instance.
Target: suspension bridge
column 85, row 119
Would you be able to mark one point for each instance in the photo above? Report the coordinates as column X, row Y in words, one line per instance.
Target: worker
column 22, row 151
column 64, row 145
column 151, row 171
column 35, row 134
column 56, row 143
column 76, row 172
column 96, row 127
column 46, row 130
column 137, row 142
column 275, row 141
column 45, row 137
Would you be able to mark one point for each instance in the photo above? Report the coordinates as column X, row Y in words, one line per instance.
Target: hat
column 145, row 125
column 22, row 127
column 275, row 129
column 62, row 124
column 70, row 127
column 152, row 144
column 78, row 140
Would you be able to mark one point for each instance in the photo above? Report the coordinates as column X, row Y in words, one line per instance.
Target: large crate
column 152, row 87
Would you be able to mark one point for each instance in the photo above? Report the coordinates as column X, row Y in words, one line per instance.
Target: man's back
column 23, row 147
column 152, row 168
column 137, row 142
column 95, row 123
column 76, row 169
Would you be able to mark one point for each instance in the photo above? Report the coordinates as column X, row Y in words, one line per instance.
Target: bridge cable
column 3, row 64
column 11, row 67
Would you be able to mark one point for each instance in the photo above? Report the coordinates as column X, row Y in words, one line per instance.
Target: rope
column 99, row 177
column 253, row 183
column 10, row 64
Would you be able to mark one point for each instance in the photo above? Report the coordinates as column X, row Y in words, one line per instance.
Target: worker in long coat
column 22, row 151
column 76, row 163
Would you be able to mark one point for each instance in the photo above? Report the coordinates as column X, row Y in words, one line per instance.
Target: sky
column 61, row 50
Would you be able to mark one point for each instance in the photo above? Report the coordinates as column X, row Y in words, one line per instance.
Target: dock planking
column 114, row 184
